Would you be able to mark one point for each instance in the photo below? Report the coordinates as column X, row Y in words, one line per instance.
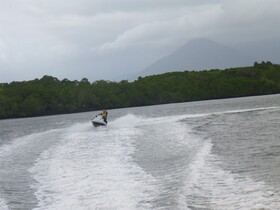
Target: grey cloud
column 103, row 39
column 178, row 25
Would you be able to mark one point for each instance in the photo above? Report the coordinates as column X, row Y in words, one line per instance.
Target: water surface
column 218, row 154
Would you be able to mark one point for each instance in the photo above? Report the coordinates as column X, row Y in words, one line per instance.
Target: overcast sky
column 110, row 39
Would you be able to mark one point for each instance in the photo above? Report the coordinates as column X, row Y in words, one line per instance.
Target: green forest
column 49, row 95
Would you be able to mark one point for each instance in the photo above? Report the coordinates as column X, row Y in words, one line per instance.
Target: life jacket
column 104, row 114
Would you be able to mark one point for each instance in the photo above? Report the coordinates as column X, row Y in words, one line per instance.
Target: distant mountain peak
column 199, row 54
column 201, row 40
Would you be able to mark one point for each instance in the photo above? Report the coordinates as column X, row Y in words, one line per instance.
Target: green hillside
column 49, row 95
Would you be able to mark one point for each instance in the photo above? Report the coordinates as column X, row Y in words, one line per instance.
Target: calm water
column 220, row 154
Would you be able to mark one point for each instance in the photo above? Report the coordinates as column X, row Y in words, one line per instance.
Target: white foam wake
column 17, row 144
column 246, row 110
column 131, row 120
column 93, row 169
column 208, row 186
column 3, row 205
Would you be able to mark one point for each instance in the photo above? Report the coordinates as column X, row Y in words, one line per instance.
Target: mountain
column 199, row 54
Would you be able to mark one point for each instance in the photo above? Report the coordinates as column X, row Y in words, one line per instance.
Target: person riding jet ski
column 104, row 115
column 100, row 119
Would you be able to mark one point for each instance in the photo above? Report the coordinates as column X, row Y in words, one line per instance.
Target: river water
column 207, row 155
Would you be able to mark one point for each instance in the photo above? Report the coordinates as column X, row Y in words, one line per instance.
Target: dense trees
column 49, row 95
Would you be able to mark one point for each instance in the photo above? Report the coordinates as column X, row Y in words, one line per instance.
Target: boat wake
column 3, row 204
column 135, row 162
column 93, row 168
column 208, row 186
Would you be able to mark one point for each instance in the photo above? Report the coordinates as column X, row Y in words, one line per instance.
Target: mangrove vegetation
column 50, row 95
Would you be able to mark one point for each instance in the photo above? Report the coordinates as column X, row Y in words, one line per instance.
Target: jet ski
column 98, row 121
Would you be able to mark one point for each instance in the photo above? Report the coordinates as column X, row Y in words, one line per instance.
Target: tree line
column 50, row 95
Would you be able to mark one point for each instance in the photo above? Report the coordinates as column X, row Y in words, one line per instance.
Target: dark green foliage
column 49, row 95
